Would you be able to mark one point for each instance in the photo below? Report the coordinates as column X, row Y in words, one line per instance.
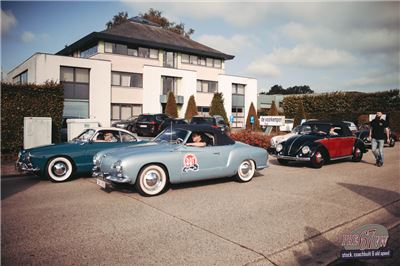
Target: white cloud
column 376, row 79
column 358, row 40
column 306, row 55
column 8, row 21
column 28, row 36
column 230, row 45
column 263, row 69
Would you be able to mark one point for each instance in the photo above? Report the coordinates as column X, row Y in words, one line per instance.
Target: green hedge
column 346, row 105
column 28, row 100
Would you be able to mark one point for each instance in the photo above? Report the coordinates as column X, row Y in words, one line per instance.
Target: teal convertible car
column 59, row 162
column 174, row 157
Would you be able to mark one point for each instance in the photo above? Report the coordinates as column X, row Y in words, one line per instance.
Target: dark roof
column 145, row 34
column 323, row 122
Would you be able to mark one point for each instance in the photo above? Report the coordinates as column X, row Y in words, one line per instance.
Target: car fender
column 360, row 144
column 314, row 146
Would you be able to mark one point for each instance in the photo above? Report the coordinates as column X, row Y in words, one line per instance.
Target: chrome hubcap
column 152, row 180
column 245, row 169
column 59, row 168
column 358, row 152
column 318, row 157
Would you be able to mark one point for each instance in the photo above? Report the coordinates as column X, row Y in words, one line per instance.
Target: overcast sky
column 329, row 46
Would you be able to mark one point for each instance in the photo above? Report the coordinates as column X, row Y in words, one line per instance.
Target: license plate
column 143, row 125
column 101, row 183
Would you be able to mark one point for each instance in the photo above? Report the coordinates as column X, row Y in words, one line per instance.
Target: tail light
column 214, row 126
column 152, row 123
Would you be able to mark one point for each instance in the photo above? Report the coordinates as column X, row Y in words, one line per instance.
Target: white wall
column 152, row 88
column 46, row 67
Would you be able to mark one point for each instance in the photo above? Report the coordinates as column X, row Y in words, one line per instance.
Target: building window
column 169, row 84
column 193, row 60
column 75, row 82
column 126, row 79
column 185, row 58
column 120, row 111
column 108, row 47
column 21, row 78
column 238, row 104
column 170, row 59
column 89, row 52
column 153, row 54
column 123, row 49
column 201, row 61
column 207, row 86
column 203, row 110
column 238, row 88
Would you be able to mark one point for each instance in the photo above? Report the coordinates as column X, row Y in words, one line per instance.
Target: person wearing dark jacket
column 377, row 132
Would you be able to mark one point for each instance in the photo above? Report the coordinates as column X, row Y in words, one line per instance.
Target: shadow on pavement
column 317, row 247
column 378, row 195
column 13, row 185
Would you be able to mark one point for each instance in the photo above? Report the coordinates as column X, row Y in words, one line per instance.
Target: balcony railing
column 179, row 99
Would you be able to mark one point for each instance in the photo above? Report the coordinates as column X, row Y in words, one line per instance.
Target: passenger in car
column 197, row 140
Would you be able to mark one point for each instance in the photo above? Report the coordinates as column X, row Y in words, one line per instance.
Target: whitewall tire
column 246, row 171
column 152, row 180
column 59, row 169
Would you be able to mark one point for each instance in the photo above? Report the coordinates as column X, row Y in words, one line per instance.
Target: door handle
column 217, row 153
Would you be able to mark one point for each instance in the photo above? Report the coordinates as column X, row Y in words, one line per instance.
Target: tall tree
column 157, row 17
column 300, row 114
column 252, row 112
column 273, row 110
column 217, row 106
column 171, row 109
column 191, row 109
column 118, row 19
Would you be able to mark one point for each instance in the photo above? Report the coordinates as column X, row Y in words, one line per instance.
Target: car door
column 199, row 162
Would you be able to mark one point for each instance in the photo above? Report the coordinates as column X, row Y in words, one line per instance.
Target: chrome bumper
column 291, row 158
column 108, row 177
column 25, row 167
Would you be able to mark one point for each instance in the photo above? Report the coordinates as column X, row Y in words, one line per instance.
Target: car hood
column 295, row 143
column 55, row 147
column 130, row 150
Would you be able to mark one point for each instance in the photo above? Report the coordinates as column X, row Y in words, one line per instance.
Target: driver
column 197, row 140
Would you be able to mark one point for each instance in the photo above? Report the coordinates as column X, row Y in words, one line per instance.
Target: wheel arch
column 323, row 149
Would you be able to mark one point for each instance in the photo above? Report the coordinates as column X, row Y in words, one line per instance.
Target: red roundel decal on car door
column 190, row 163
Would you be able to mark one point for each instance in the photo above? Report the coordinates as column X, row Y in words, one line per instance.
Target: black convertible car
column 326, row 142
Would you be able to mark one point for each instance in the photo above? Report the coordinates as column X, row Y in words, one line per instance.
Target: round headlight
column 305, row 150
column 279, row 147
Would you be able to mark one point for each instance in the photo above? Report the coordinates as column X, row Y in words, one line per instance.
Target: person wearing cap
column 377, row 132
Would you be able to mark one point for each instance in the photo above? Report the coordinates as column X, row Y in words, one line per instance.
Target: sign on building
column 272, row 120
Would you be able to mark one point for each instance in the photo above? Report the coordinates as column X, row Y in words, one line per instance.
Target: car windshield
column 305, row 129
column 171, row 136
column 320, row 128
column 85, row 135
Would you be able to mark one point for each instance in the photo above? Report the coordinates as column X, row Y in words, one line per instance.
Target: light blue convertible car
column 170, row 159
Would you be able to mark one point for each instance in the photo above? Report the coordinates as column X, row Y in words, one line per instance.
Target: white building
column 130, row 68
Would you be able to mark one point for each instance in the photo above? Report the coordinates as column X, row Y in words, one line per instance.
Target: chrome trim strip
column 292, row 158
column 290, row 148
column 342, row 157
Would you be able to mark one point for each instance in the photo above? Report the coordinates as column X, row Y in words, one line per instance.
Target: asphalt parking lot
column 286, row 215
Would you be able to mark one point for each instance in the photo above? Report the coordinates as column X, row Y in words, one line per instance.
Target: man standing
column 377, row 133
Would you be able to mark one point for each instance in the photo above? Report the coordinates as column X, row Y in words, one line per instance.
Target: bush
column 171, row 109
column 252, row 112
column 257, row 139
column 346, row 105
column 217, row 106
column 28, row 100
column 191, row 109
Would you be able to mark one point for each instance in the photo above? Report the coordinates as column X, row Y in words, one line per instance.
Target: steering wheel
column 179, row 141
